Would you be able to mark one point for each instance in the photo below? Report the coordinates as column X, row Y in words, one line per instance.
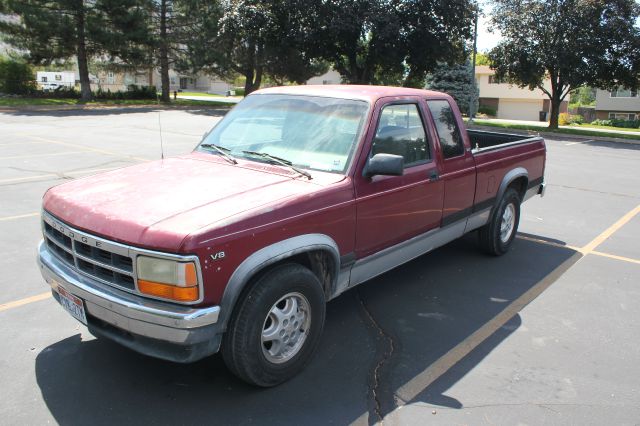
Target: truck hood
column 157, row 204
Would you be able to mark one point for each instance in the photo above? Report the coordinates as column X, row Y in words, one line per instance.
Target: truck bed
column 482, row 140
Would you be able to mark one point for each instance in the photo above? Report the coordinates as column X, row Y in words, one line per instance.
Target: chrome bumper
column 160, row 329
column 543, row 187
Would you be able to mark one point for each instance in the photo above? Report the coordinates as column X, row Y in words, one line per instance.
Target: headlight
column 168, row 279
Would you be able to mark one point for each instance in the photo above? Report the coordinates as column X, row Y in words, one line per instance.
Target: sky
column 486, row 39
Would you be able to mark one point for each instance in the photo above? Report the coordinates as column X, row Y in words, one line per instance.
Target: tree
column 482, row 59
column 15, row 77
column 572, row 42
column 454, row 80
column 382, row 42
column 50, row 30
column 584, row 96
column 257, row 38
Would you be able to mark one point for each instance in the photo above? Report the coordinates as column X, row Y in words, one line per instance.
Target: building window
column 43, row 79
column 494, row 80
column 58, row 77
column 111, row 78
column 623, row 93
column 622, row 116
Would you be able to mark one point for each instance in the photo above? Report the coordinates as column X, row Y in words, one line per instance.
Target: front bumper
column 159, row 329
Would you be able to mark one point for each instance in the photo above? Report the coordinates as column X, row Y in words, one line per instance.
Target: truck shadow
column 424, row 308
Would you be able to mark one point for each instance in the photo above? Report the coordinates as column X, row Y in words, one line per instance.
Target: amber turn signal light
column 166, row 291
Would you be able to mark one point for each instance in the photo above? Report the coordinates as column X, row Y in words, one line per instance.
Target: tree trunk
column 253, row 70
column 83, row 66
column 164, row 54
column 253, row 80
column 555, row 111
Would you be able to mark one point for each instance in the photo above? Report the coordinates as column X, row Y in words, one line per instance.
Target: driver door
column 392, row 209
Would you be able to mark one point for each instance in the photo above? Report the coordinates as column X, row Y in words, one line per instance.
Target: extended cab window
column 401, row 132
column 447, row 128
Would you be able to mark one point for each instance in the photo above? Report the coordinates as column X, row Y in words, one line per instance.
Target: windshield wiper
column 225, row 152
column 278, row 160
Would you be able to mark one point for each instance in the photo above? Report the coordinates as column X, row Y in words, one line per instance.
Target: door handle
column 433, row 176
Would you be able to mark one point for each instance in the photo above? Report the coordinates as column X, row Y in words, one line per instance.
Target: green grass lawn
column 593, row 126
column 573, row 131
column 20, row 102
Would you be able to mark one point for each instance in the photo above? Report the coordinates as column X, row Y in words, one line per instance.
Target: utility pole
column 473, row 65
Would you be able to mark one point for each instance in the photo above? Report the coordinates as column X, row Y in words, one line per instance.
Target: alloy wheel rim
column 286, row 328
column 508, row 223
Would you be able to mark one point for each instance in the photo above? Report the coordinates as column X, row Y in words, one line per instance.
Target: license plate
column 72, row 304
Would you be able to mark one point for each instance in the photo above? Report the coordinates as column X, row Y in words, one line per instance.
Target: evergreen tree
column 455, row 80
column 52, row 30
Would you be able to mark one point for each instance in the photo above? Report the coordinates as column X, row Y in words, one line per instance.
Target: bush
column 567, row 119
column 627, row 124
column 141, row 92
column 61, row 92
column 16, row 78
column 488, row 111
column 239, row 91
column 133, row 92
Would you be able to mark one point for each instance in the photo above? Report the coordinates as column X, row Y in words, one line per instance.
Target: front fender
column 268, row 256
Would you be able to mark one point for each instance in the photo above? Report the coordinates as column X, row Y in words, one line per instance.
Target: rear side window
column 447, row 128
column 401, row 132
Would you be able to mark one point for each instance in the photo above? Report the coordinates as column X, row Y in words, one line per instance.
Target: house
column 121, row 80
column 51, row 80
column 621, row 104
column 511, row 102
column 194, row 83
column 330, row 77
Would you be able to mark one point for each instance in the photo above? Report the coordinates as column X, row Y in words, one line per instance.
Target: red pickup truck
column 297, row 195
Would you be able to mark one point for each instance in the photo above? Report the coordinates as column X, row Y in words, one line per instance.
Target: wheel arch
column 518, row 179
column 317, row 252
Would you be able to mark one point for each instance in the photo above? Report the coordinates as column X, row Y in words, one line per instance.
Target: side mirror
column 385, row 165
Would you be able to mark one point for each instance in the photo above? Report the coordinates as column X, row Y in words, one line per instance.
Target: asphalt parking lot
column 547, row 334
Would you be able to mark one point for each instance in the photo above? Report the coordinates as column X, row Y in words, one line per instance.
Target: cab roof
column 346, row 91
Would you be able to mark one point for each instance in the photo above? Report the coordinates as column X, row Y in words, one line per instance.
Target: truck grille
column 102, row 264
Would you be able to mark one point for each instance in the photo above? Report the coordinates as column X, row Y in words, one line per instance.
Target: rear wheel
column 276, row 327
column 497, row 236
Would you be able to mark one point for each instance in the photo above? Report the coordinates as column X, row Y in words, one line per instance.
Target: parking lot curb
column 554, row 135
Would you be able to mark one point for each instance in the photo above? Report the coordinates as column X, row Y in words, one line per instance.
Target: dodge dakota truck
column 295, row 196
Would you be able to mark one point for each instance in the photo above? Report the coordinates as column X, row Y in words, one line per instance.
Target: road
column 546, row 334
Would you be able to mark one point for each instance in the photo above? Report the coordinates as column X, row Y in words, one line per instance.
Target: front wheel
column 276, row 327
column 497, row 236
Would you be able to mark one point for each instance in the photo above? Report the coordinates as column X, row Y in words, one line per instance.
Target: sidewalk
column 220, row 99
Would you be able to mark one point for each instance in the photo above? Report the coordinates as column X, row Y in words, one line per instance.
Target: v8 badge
column 217, row 256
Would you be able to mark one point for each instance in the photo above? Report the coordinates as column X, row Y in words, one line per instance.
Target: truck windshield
column 311, row 132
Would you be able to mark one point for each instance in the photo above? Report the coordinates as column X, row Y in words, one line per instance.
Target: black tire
column 489, row 235
column 243, row 350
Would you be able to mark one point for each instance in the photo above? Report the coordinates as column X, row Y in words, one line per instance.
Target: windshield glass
column 309, row 131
